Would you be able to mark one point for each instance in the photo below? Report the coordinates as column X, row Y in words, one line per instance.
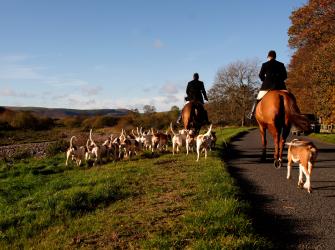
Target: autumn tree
column 233, row 92
column 149, row 109
column 312, row 67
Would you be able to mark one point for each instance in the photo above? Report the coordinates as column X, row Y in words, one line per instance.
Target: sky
column 86, row 54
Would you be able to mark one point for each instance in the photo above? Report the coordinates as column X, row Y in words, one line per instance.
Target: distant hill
column 60, row 112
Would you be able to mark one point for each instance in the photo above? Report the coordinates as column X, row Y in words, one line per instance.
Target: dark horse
column 277, row 112
column 192, row 116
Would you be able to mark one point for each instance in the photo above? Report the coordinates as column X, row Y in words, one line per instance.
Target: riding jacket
column 273, row 75
column 195, row 90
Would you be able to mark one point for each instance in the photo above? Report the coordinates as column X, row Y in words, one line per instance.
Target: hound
column 128, row 145
column 97, row 151
column 75, row 154
column 146, row 139
column 178, row 140
column 190, row 141
column 304, row 153
column 159, row 140
column 204, row 142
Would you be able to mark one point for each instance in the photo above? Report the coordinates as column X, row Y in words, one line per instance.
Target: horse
column 191, row 116
column 277, row 111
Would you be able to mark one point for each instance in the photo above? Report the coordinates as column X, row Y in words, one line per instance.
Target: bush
column 24, row 120
column 57, row 147
column 21, row 153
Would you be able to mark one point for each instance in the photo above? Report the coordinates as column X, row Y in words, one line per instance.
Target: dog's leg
column 300, row 181
column 67, row 158
column 289, row 166
column 307, row 184
column 198, row 150
column 310, row 167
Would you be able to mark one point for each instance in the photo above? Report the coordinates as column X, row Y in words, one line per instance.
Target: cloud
column 59, row 82
column 13, row 58
column 169, row 88
column 91, row 90
column 8, row 92
column 158, row 44
column 82, row 103
column 19, row 72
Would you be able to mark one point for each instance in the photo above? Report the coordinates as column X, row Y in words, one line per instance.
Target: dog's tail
column 91, row 139
column 71, row 141
column 87, row 146
column 209, row 131
column 171, row 127
column 91, row 135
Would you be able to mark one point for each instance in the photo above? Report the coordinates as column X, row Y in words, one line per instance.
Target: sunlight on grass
column 148, row 203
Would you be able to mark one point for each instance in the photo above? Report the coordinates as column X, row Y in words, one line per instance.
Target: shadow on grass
column 280, row 230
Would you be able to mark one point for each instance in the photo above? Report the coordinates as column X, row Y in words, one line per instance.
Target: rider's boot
column 179, row 119
column 251, row 114
column 206, row 121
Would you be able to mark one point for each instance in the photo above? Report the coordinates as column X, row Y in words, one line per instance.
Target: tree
column 233, row 92
column 175, row 108
column 312, row 68
column 149, row 109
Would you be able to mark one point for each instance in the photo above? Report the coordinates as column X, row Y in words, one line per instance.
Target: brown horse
column 192, row 117
column 277, row 112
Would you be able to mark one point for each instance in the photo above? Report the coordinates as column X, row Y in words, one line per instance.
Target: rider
column 273, row 75
column 196, row 92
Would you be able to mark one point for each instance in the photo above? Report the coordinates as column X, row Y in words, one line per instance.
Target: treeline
column 12, row 120
column 312, row 67
column 25, row 120
column 233, row 93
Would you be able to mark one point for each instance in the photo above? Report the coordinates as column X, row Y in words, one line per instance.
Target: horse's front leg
column 264, row 142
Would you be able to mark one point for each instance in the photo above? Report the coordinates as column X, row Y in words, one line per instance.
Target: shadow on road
column 279, row 229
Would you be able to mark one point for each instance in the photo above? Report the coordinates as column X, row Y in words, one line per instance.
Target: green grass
column 330, row 138
column 158, row 203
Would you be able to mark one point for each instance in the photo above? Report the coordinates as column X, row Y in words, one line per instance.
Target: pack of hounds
column 126, row 145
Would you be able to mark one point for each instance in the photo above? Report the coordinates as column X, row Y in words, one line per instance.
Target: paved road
column 289, row 216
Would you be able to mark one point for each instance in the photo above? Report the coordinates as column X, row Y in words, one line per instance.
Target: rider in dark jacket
column 273, row 75
column 196, row 92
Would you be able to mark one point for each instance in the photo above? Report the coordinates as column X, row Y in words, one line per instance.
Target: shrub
column 21, row 153
column 56, row 147
column 24, row 120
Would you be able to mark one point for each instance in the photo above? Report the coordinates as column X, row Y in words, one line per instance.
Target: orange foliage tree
column 312, row 67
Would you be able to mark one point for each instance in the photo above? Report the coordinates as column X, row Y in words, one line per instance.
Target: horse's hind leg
column 285, row 134
column 276, row 141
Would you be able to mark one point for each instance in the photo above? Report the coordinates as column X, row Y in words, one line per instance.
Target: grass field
column 165, row 202
column 330, row 138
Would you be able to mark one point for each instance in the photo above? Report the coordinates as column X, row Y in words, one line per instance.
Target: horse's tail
column 293, row 113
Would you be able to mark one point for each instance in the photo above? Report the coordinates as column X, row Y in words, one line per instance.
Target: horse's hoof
column 278, row 164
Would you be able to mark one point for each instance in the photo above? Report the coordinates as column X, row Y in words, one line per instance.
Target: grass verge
column 330, row 138
column 157, row 203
